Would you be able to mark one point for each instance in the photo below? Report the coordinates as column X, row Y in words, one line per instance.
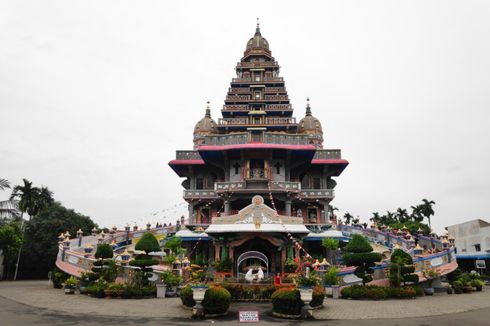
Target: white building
column 472, row 241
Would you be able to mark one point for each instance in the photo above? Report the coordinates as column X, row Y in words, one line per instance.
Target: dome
column 309, row 124
column 206, row 125
column 257, row 41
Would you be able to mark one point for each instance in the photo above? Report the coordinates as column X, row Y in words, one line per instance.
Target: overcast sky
column 96, row 96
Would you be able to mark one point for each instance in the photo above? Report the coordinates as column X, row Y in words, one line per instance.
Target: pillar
column 227, row 207
column 217, row 249
column 288, row 207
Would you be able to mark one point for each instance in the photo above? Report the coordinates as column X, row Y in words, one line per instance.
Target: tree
column 104, row 251
column 27, row 195
column 347, row 218
column 426, row 209
column 175, row 245
column 376, row 218
column 10, row 243
column 8, row 208
column 41, row 238
column 402, row 215
column 416, row 215
column 359, row 253
column 330, row 245
column 148, row 243
column 402, row 268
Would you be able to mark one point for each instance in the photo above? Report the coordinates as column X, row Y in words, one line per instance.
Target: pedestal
column 161, row 288
column 306, row 295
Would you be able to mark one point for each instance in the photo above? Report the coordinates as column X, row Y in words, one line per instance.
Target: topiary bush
column 104, row 251
column 216, row 300
column 402, row 269
column 287, row 301
column 148, row 243
column 359, row 253
column 186, row 297
column 377, row 292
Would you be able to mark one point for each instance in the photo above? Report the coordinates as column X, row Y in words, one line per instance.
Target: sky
column 96, row 97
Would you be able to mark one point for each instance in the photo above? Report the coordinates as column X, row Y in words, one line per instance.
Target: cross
column 278, row 167
column 236, row 166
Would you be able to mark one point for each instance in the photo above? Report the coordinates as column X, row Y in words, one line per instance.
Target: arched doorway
column 268, row 253
column 252, row 255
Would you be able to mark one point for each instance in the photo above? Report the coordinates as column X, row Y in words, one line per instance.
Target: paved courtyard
column 39, row 294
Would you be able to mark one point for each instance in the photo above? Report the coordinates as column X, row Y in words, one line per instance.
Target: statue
column 249, row 277
column 260, row 274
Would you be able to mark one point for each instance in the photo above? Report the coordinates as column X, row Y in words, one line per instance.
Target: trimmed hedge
column 378, row 292
column 148, row 243
column 216, row 299
column 104, row 251
column 143, row 262
column 288, row 300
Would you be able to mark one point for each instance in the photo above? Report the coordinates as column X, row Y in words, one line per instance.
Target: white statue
column 260, row 274
column 249, row 277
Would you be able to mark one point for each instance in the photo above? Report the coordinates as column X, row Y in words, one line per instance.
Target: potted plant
column 171, row 282
column 458, row 286
column 477, row 284
column 430, row 275
column 70, row 285
column 305, row 283
column 290, row 266
column 198, row 293
column 332, row 282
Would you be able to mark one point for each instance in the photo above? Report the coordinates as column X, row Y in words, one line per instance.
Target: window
column 477, row 247
column 237, row 168
column 317, row 183
column 257, row 95
column 199, row 183
column 257, row 77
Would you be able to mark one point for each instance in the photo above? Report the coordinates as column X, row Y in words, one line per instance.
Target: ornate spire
column 257, row 29
column 208, row 111
column 308, row 109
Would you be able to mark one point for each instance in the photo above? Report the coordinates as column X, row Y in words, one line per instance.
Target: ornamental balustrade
column 229, row 107
column 200, row 194
column 316, row 193
column 275, row 90
column 232, row 139
column 278, row 107
column 257, row 64
column 188, row 155
column 250, row 80
column 325, row 154
column 233, row 121
column 290, row 139
column 238, row 98
column 280, row 121
column 276, row 98
column 239, row 90
column 229, row 186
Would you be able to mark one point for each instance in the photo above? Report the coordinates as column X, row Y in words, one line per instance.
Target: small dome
column 206, row 125
column 257, row 41
column 309, row 124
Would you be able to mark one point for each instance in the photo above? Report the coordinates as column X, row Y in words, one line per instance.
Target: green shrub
column 377, row 292
column 331, row 277
column 359, row 253
column 143, row 262
column 148, row 243
column 216, row 300
column 402, row 269
column 224, row 265
column 58, row 278
column 290, row 266
column 318, row 296
column 104, row 250
column 171, row 280
column 419, row 291
column 71, row 282
column 186, row 297
column 97, row 288
column 287, row 301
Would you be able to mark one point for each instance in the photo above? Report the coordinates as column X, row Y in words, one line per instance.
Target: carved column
column 288, row 206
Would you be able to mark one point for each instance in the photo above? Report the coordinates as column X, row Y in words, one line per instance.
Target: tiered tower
column 258, row 147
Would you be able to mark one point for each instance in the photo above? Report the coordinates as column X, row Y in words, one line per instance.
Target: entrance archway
column 251, row 255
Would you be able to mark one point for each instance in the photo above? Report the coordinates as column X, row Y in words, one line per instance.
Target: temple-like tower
column 258, row 147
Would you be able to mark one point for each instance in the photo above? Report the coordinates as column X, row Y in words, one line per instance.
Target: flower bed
column 379, row 292
column 245, row 292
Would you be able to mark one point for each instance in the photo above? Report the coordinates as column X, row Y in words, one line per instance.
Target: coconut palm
column 376, row 218
column 27, row 196
column 347, row 218
column 402, row 215
column 426, row 209
column 8, row 208
column 416, row 214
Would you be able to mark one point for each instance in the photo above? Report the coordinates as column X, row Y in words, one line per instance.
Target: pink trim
column 69, row 268
column 330, row 161
column 186, row 162
column 256, row 145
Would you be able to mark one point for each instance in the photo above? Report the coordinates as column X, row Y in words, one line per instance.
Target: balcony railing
column 231, row 139
column 257, row 64
column 275, row 186
column 316, row 193
column 268, row 138
column 188, row 155
column 290, row 139
column 250, row 80
column 275, row 90
column 238, row 98
column 326, row 154
column 239, row 90
column 276, row 98
column 278, row 107
column 230, row 186
column 235, row 107
column 200, row 194
column 266, row 121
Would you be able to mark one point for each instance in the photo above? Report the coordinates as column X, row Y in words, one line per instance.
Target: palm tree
column 376, row 218
column 8, row 208
column 331, row 245
column 348, row 217
column 402, row 215
column 27, row 196
column 426, row 209
column 416, row 215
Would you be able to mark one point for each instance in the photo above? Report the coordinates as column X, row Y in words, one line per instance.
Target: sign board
column 480, row 263
column 248, row 316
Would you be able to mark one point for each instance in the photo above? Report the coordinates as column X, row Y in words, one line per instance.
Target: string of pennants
column 290, row 236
